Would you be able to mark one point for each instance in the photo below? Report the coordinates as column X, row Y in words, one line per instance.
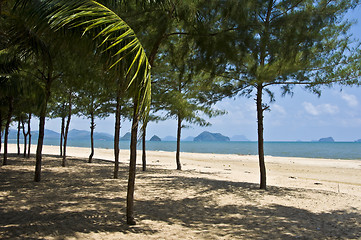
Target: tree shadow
column 206, row 206
column 83, row 198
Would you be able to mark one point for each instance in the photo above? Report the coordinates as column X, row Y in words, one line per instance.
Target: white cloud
column 328, row 108
column 279, row 109
column 310, row 108
column 320, row 109
column 350, row 99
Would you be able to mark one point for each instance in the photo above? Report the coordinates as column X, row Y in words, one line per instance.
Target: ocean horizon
column 331, row 150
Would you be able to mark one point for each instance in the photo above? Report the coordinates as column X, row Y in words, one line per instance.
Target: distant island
column 169, row 139
column 155, row 138
column 126, row 137
column 239, row 138
column 73, row 134
column 327, row 139
column 188, row 139
column 211, row 137
column 84, row 135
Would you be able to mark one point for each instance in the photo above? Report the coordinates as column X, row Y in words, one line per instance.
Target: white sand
column 215, row 196
column 334, row 175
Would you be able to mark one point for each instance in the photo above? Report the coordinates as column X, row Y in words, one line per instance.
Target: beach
column 215, row 196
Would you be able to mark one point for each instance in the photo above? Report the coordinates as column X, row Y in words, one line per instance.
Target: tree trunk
column 29, row 132
column 40, row 145
column 260, row 106
column 144, row 156
column 63, row 164
column 260, row 111
column 177, row 156
column 25, row 134
column 39, row 148
column 92, row 126
column 62, row 134
column 18, row 137
column 8, row 121
column 132, row 165
column 117, row 136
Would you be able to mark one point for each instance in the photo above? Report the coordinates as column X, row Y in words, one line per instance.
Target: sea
column 332, row 150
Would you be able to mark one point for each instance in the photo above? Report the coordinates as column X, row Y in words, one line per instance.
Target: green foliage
column 179, row 87
column 295, row 42
column 112, row 35
column 94, row 98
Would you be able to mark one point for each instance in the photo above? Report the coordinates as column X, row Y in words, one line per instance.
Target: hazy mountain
column 126, row 137
column 211, row 137
column 239, row 138
column 78, row 134
column 13, row 134
column 190, row 138
column 169, row 138
column 103, row 136
column 48, row 134
column 73, row 134
column 359, row 140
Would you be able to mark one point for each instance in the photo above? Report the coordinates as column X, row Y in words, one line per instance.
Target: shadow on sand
column 83, row 198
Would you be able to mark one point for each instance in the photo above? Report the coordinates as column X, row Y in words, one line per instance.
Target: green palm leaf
column 8, row 63
column 112, row 35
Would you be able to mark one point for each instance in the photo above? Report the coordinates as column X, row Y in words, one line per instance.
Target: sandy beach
column 215, row 196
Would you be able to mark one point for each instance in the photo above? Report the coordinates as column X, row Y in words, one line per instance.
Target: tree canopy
column 95, row 57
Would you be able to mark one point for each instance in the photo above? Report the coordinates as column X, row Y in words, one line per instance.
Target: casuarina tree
column 286, row 43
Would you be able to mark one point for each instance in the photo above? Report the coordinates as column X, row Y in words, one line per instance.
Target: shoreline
column 33, row 149
column 310, row 173
column 338, row 150
column 54, row 150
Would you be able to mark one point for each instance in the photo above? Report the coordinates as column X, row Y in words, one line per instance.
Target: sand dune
column 214, row 197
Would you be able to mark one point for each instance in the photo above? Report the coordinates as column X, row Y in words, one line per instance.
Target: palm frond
column 112, row 35
column 8, row 62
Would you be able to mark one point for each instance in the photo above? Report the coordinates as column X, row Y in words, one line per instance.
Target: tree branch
column 285, row 12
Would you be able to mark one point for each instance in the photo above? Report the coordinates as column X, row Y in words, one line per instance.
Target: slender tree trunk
column 39, row 147
column 29, row 132
column 62, row 134
column 63, row 164
column 132, row 165
column 144, row 156
column 92, row 126
column 260, row 107
column 177, row 156
column 25, row 144
column 151, row 58
column 260, row 111
column 117, row 136
column 25, row 134
column 6, row 136
column 18, row 137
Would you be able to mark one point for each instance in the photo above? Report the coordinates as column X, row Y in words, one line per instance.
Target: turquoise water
column 336, row 150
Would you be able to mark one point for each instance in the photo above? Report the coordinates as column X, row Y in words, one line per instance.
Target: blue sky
column 304, row 116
